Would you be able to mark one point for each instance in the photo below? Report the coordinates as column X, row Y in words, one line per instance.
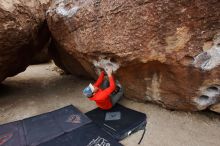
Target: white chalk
column 66, row 12
column 208, row 97
column 209, row 59
column 106, row 63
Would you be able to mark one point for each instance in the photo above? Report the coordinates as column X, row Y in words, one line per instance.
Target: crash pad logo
column 5, row 138
column 99, row 142
column 75, row 119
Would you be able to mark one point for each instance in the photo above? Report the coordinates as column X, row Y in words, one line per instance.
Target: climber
column 105, row 93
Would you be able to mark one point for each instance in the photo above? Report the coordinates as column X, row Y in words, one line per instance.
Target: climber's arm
column 111, row 87
column 99, row 80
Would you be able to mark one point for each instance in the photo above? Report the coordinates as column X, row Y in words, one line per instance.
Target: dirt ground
column 41, row 89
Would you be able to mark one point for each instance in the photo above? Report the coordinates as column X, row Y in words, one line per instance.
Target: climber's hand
column 101, row 65
column 109, row 71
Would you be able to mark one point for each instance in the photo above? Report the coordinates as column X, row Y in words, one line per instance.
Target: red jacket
column 101, row 97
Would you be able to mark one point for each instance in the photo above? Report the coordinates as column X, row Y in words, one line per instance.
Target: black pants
column 115, row 95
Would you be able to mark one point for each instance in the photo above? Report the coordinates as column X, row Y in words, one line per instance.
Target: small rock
column 215, row 108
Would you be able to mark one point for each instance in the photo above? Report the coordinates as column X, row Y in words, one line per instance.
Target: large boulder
column 163, row 51
column 23, row 32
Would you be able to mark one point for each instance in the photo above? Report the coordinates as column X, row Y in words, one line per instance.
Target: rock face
column 163, row 51
column 23, row 32
column 42, row 56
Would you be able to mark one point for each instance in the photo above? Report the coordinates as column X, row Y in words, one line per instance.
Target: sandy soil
column 41, row 89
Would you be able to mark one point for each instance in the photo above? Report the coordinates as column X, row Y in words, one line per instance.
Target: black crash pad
column 12, row 134
column 87, row 135
column 119, row 121
column 36, row 130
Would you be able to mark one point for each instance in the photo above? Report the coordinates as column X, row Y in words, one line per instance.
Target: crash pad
column 119, row 121
column 87, row 135
column 39, row 129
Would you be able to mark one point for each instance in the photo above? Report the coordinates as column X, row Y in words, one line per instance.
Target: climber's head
column 89, row 90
